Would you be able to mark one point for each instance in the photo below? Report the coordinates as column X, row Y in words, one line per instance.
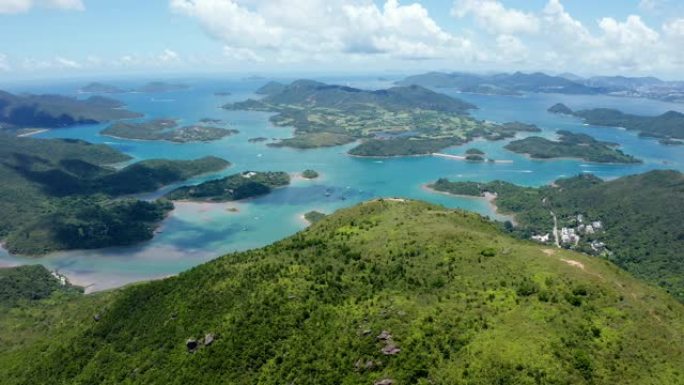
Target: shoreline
column 488, row 197
column 33, row 132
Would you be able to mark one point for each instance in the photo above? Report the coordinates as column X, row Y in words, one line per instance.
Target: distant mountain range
column 518, row 83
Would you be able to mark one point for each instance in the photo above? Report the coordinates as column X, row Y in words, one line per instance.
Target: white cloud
column 168, row 56
column 289, row 28
column 62, row 62
column 19, row 6
column 511, row 49
column 4, row 63
column 496, row 18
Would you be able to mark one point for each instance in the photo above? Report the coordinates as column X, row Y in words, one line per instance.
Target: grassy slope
column 642, row 215
column 465, row 303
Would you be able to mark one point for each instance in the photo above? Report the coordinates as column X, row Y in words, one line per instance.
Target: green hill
column 641, row 218
column 405, row 292
column 30, row 283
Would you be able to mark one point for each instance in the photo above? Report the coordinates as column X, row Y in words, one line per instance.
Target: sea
column 195, row 233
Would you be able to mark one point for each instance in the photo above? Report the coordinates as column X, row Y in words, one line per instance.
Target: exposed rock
column 384, row 336
column 96, row 317
column 390, row 350
column 208, row 339
column 191, row 344
column 384, row 381
column 366, row 332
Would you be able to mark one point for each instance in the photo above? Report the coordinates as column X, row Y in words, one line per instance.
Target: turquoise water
column 195, row 233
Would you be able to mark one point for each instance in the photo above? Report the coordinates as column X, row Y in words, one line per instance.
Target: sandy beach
column 488, row 197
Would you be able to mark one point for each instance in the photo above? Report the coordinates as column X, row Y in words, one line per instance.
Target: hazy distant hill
column 54, row 111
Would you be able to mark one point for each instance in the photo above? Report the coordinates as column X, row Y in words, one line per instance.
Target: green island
column 386, row 292
column 310, row 174
column 669, row 125
column 61, row 194
column 167, row 129
column 29, row 283
column 244, row 185
column 258, row 139
column 571, row 145
column 634, row 221
column 671, row 142
column 314, row 216
column 55, row 111
column 399, row 121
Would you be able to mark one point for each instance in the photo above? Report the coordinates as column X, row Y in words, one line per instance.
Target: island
column 271, row 88
column 635, row 221
column 56, row 111
column 560, row 108
column 222, row 93
column 669, row 125
column 235, row 187
column 62, row 194
column 168, row 130
column 571, row 145
column 161, row 87
column 100, row 88
column 310, row 174
column 399, row 121
column 314, row 216
column 257, row 139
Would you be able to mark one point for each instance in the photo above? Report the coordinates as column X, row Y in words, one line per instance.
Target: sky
column 64, row 38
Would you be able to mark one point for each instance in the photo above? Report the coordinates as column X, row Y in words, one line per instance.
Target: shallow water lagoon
column 197, row 232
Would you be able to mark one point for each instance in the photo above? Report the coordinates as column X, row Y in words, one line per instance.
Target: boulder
column 384, row 336
column 208, row 339
column 191, row 344
column 390, row 350
column 384, row 381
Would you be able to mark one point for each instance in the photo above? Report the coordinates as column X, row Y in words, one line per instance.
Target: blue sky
column 41, row 38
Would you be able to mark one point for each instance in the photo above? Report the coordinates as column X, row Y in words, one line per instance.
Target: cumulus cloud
column 288, row 28
column 496, row 18
column 19, row 6
column 168, row 56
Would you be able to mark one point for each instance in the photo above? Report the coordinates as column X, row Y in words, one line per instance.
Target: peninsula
column 61, row 194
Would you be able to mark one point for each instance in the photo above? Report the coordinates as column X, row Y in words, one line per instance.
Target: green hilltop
column 386, row 292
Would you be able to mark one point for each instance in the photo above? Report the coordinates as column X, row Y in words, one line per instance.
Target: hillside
column 28, row 283
column 641, row 218
column 54, row 111
column 386, row 292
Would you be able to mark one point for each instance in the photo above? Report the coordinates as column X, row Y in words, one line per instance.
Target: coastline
column 33, row 132
column 488, row 197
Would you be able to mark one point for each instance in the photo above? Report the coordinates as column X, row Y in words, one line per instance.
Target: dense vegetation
column 244, row 185
column 402, row 291
column 30, row 283
column 314, row 216
column 167, row 129
column 60, row 194
column 395, row 122
column 641, row 216
column 571, row 145
column 500, row 84
column 310, row 174
column 54, row 111
column 667, row 125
